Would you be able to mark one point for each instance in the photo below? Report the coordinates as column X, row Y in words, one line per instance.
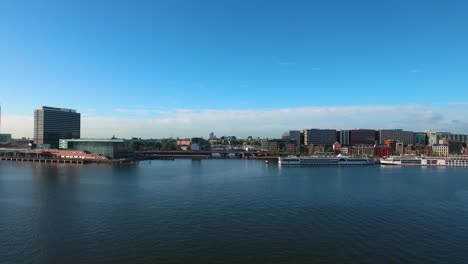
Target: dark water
column 231, row 211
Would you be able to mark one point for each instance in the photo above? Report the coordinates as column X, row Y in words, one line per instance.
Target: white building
column 441, row 149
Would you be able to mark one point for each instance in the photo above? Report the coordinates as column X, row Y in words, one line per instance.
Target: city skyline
column 263, row 123
column 169, row 68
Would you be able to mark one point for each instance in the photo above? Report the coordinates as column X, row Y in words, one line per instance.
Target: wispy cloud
column 259, row 122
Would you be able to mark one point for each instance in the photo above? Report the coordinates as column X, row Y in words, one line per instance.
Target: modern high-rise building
column 419, row 138
column 52, row 124
column 295, row 135
column 326, row 137
column 343, row 137
column 406, row 137
column 362, row 137
column 435, row 137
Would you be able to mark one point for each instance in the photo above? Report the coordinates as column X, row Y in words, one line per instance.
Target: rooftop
column 57, row 109
column 106, row 140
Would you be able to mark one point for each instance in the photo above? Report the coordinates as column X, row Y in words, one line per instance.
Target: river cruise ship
column 449, row 161
column 323, row 161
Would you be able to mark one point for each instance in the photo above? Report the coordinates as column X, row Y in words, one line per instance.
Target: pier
column 51, row 156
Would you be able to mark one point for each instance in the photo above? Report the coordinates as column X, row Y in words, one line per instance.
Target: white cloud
column 258, row 122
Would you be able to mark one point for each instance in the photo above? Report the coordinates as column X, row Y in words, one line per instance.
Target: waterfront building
column 344, row 151
column 273, row 145
column 419, row 138
column 71, row 154
column 440, row 149
column 52, row 124
column 5, row 138
column 423, row 150
column 295, row 135
column 195, row 147
column 362, row 137
column 458, row 137
column 391, row 144
column 435, row 137
column 383, row 151
column 343, row 137
column 406, row 137
column 183, row 143
column 455, row 147
column 337, row 147
column 198, row 143
column 316, row 149
column 325, row 137
column 279, row 145
column 399, row 148
column 24, row 143
column 362, row 150
column 111, row 148
column 264, row 144
column 290, row 147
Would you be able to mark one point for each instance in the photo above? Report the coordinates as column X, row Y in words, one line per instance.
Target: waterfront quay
column 82, row 157
column 233, row 154
column 55, row 156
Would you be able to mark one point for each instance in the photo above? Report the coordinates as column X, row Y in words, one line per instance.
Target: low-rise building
column 273, row 146
column 5, row 138
column 440, row 149
column 400, row 148
column 362, row 150
column 345, row 151
column 111, row 148
column 337, row 147
column 383, row 151
column 183, row 143
column 72, row 154
column 290, row 147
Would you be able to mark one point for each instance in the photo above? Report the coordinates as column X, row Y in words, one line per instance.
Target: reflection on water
column 231, row 211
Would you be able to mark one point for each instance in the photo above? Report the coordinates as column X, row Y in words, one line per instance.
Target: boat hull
column 324, row 161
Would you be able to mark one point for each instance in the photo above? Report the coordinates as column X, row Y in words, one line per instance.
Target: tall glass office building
column 52, row 124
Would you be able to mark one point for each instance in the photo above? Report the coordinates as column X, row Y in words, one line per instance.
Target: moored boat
column 448, row 161
column 323, row 161
column 402, row 160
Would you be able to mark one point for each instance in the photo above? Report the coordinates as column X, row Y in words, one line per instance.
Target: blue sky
column 152, row 61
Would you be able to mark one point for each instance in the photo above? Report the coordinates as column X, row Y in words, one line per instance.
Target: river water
column 231, row 211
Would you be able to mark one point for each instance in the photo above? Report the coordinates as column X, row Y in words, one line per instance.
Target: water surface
column 231, row 211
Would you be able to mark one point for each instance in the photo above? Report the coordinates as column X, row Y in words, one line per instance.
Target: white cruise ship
column 402, row 160
column 323, row 161
column 449, row 161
